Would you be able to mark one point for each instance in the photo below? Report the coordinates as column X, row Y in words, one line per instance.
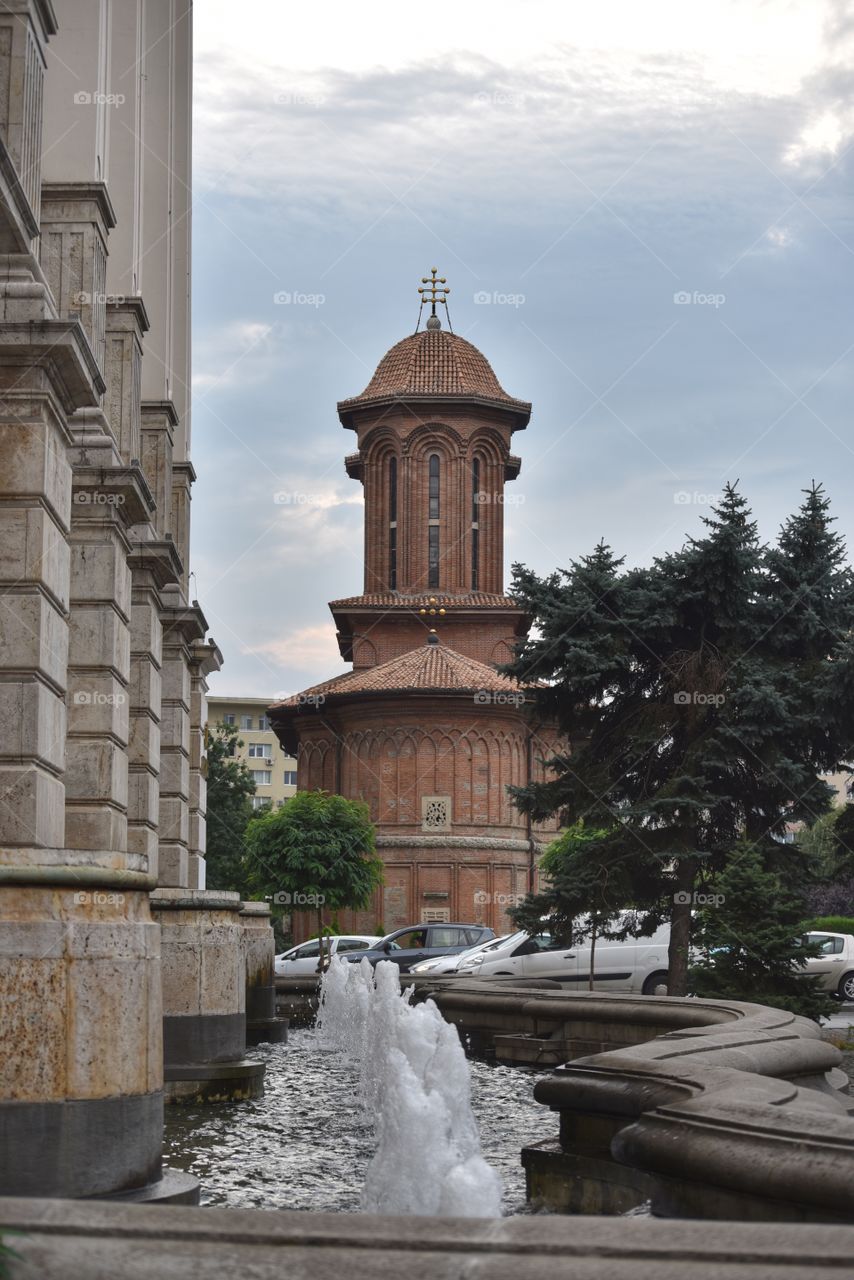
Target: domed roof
column 435, row 362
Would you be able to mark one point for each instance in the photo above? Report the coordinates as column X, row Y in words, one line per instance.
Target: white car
column 301, row 961
column 835, row 966
column 450, row 964
column 637, row 965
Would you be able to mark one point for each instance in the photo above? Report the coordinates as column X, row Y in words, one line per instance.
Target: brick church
column 424, row 728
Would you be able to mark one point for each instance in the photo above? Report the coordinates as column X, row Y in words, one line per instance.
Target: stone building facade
column 108, row 938
column 424, row 728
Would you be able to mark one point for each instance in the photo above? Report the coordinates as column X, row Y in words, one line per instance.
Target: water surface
column 306, row 1144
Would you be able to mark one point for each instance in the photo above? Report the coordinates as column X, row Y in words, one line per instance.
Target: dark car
column 421, row 941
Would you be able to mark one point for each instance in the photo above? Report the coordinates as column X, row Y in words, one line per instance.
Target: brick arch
column 501, row 652
column 378, row 443
column 427, row 434
column 485, row 443
column 364, row 653
column 312, row 764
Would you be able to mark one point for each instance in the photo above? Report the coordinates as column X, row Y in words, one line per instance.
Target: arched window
column 475, row 522
column 433, row 523
column 392, row 524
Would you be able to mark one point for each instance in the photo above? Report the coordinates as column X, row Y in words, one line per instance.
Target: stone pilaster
column 25, row 27
column 154, row 565
column 126, row 323
column 45, row 374
column 183, row 477
column 158, row 423
column 76, row 220
column 106, row 502
column 204, row 659
column 182, row 626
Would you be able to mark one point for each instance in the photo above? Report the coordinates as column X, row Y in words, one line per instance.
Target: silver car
column 834, row 967
column 301, row 961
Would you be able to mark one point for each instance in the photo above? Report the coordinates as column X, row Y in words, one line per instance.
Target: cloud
column 303, row 649
column 685, row 152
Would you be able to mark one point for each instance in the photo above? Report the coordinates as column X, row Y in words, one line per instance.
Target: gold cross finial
column 436, row 290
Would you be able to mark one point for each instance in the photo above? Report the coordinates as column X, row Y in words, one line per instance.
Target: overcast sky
column 654, row 199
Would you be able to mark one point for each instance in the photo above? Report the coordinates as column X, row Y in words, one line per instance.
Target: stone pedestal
column 204, row 997
column 81, row 1071
column 259, row 950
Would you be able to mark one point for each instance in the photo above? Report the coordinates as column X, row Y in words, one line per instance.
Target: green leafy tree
column 585, row 888
column 317, row 852
column 703, row 699
column 750, row 936
column 229, row 810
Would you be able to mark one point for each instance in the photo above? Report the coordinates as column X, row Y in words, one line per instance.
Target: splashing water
column 414, row 1084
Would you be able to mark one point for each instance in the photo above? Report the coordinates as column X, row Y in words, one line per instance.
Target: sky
column 645, row 217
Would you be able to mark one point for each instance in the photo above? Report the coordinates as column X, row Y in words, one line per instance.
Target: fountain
column 414, row 1085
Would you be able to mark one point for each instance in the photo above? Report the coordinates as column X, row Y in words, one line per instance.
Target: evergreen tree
column 230, row 787
column 699, row 707
column 751, row 936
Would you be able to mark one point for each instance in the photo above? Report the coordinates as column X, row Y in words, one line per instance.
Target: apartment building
column 275, row 772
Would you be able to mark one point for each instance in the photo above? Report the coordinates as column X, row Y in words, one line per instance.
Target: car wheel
column 658, row 979
column 846, row 987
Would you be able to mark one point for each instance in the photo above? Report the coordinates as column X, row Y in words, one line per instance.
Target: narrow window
column 392, row 524
column 433, row 524
column 475, row 521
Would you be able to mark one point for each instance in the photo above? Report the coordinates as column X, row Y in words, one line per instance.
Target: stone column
column 81, row 1064
column 259, row 953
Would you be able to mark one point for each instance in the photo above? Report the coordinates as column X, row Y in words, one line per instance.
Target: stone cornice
column 184, row 469
column 128, row 305
column 207, row 656
column 63, row 347
column 159, row 558
column 188, row 620
column 459, row 842
column 96, row 192
column 164, row 408
column 124, row 488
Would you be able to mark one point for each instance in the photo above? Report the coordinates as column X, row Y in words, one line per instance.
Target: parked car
column 301, row 961
column 416, row 942
column 835, row 966
column 449, row 964
column 637, row 965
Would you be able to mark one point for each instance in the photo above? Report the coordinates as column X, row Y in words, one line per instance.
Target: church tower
column 433, row 432
column 424, row 729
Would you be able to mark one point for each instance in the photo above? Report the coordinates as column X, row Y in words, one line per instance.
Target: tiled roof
column 429, row 668
column 435, row 362
column 394, row 599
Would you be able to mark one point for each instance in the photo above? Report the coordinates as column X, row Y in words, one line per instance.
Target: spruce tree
column 699, row 706
column 750, row 937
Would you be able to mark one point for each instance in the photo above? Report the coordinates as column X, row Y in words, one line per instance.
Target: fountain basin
column 705, row 1108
